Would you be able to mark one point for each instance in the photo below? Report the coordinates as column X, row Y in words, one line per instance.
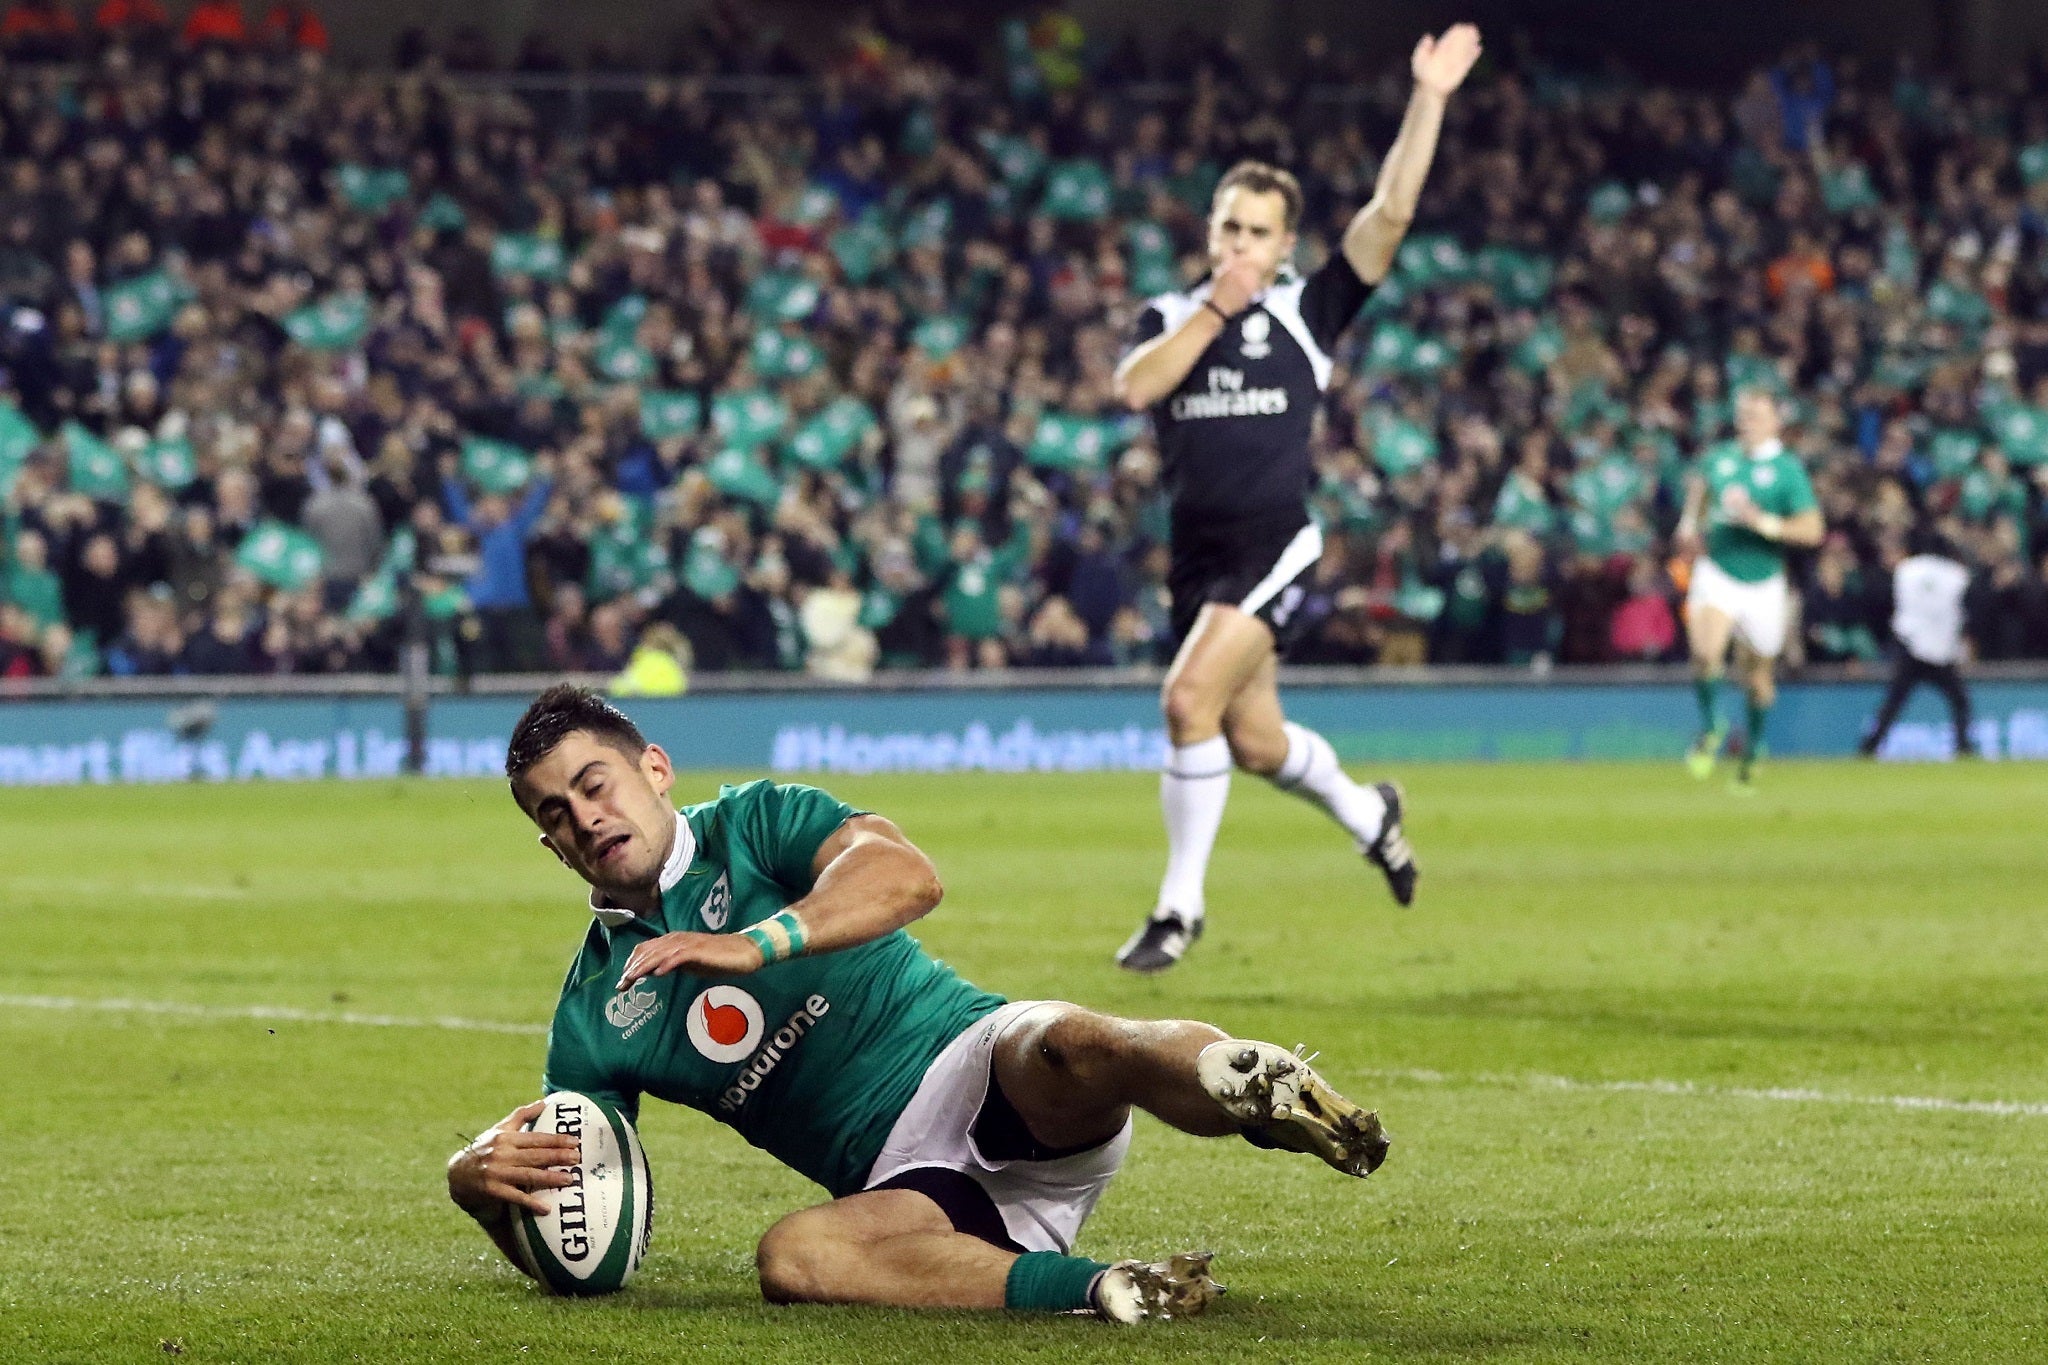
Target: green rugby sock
column 1759, row 715
column 1705, row 689
column 1047, row 1282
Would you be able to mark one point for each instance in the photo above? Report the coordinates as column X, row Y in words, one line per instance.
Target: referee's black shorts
column 1258, row 564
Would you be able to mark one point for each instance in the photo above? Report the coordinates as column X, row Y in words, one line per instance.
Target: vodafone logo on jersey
column 725, row 1023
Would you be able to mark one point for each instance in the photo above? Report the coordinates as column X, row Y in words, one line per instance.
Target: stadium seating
column 814, row 374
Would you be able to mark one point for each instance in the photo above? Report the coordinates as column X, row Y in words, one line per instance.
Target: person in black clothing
column 96, row 588
column 1928, row 623
column 1232, row 372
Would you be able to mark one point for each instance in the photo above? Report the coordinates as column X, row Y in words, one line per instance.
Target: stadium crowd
column 816, row 375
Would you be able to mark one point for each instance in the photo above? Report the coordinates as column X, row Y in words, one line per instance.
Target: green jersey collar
column 681, row 854
column 1768, row 450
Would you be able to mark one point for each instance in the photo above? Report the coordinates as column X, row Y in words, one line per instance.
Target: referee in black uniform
column 1232, row 373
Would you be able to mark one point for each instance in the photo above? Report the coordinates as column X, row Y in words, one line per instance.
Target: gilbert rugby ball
column 595, row 1235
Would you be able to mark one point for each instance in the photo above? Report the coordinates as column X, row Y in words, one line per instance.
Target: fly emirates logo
column 726, row 1024
column 1228, row 397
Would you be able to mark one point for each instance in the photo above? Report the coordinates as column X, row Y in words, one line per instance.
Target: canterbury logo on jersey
column 1228, row 397
column 631, row 1008
column 772, row 1052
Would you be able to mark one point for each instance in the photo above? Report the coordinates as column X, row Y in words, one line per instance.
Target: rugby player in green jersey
column 1747, row 505
column 748, row 958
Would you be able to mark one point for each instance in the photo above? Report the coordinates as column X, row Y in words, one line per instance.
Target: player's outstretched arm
column 1803, row 529
column 868, row 881
column 1691, row 519
column 505, row 1167
column 1440, row 66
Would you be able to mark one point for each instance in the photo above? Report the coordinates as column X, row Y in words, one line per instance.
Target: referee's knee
column 1190, row 713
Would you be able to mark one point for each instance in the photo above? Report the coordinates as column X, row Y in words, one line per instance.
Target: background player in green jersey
column 1747, row 503
column 748, row 958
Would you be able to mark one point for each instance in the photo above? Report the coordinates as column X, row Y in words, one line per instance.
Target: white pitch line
column 1692, row 1089
column 1524, row 1081
column 80, row 889
column 281, row 1013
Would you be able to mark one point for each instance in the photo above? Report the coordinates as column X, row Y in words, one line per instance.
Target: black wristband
column 1210, row 304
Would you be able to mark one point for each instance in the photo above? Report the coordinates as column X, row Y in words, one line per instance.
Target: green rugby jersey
column 1776, row 482
column 811, row 1059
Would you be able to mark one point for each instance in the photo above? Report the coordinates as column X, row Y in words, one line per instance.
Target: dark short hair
column 558, row 713
column 1927, row 539
column 1262, row 178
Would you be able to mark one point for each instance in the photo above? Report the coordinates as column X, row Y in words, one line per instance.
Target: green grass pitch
column 1650, row 1056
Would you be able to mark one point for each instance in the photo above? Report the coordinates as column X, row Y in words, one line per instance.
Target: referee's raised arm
column 1249, row 240
column 1440, row 66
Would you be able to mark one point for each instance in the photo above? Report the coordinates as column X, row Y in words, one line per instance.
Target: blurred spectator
column 1838, row 609
column 28, row 582
column 659, row 666
column 510, row 641
column 972, row 605
column 293, row 27
column 343, row 519
column 20, row 654
column 38, row 30
column 1529, row 620
column 1057, row 637
column 1645, row 628
column 152, row 640
column 142, row 25
column 216, row 23
column 1591, row 594
column 227, row 644
column 96, row 588
column 836, row 644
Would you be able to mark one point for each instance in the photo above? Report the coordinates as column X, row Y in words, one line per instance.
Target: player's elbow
column 924, row 889
column 1389, row 214
column 1127, row 393
column 1385, row 219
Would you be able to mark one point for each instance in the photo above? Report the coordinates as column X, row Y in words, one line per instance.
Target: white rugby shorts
column 1042, row 1203
column 1760, row 611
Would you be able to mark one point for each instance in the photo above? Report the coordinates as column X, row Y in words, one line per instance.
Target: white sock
column 1311, row 771
column 1192, row 789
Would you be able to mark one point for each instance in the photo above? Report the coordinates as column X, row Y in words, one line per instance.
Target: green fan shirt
column 1776, row 482
column 812, row 1059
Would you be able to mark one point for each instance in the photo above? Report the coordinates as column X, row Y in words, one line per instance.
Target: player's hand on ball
column 1234, row 287
column 1441, row 64
column 707, row 954
column 506, row 1165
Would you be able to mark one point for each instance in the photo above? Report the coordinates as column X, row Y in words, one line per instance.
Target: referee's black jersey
column 1234, row 435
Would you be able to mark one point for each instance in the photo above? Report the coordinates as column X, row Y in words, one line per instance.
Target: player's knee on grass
column 786, row 1262
column 805, row 1258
